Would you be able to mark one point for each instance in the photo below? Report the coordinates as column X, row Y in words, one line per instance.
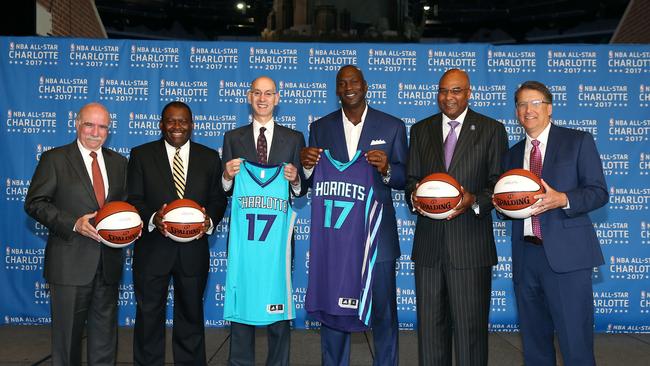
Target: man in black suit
column 69, row 185
column 158, row 258
column 283, row 146
column 453, row 257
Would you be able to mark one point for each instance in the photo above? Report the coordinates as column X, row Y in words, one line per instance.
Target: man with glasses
column 69, row 185
column 554, row 251
column 454, row 257
column 266, row 142
column 160, row 172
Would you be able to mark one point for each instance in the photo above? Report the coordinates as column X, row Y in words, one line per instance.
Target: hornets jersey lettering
column 345, row 218
column 258, row 281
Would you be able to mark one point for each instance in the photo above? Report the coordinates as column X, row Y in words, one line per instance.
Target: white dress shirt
column 445, row 124
column 88, row 161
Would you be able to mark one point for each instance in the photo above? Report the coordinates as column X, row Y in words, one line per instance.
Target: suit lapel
column 110, row 166
column 77, row 163
column 369, row 125
column 337, row 144
column 551, row 149
column 247, row 141
column 277, row 146
column 470, row 129
column 433, row 142
column 162, row 163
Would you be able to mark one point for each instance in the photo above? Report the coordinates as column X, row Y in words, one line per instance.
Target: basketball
column 184, row 220
column 118, row 224
column 514, row 192
column 438, row 195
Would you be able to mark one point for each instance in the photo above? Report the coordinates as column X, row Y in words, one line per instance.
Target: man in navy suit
column 383, row 138
column 157, row 258
column 284, row 145
column 553, row 257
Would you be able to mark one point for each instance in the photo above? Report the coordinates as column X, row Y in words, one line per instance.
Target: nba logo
column 252, row 51
column 132, row 48
column 371, row 52
column 550, row 54
column 612, row 259
column 72, row 47
column 9, row 113
column 281, row 84
column 489, row 53
column 193, row 49
column 221, row 84
column 430, row 53
column 311, row 52
column 581, row 88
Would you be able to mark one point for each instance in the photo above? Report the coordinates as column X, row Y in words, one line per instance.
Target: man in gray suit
column 69, row 185
column 262, row 141
column 453, row 257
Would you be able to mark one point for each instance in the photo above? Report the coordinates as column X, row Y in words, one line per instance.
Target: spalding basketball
column 184, row 220
column 514, row 193
column 118, row 224
column 438, row 195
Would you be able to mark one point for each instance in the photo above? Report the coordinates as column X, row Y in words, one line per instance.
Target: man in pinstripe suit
column 454, row 257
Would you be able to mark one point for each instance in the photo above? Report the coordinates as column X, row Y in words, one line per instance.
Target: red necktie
column 536, row 168
column 98, row 181
column 261, row 147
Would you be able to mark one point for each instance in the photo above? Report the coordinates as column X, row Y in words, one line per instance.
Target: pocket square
column 377, row 142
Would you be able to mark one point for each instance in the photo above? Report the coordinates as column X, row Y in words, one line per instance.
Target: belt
column 533, row 240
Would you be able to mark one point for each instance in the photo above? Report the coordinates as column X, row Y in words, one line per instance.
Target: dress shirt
column 88, row 161
column 543, row 142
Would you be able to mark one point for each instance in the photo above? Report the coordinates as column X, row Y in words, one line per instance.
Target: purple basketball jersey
column 345, row 218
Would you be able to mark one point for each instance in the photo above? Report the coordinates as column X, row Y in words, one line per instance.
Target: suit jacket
column 476, row 165
column 60, row 192
column 380, row 131
column 285, row 148
column 571, row 165
column 150, row 185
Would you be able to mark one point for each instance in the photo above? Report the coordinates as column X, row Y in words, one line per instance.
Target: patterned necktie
column 179, row 174
column 450, row 143
column 536, row 168
column 261, row 147
column 98, row 180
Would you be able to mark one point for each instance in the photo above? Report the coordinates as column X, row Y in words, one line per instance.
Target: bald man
column 454, row 257
column 266, row 142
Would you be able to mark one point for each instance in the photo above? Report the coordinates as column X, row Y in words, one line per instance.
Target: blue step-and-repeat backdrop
column 603, row 89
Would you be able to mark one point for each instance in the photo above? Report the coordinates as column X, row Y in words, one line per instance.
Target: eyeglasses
column 536, row 103
column 259, row 93
column 453, row 91
column 90, row 126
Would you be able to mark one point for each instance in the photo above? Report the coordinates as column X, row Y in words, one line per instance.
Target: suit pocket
column 577, row 221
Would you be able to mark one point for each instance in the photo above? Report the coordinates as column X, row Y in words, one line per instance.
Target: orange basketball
column 118, row 224
column 184, row 220
column 438, row 195
column 514, row 193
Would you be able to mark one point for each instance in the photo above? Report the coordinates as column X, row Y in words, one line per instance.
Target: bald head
column 453, row 93
column 263, row 98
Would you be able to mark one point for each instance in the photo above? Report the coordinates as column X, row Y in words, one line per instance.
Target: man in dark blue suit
column 554, row 251
column 383, row 138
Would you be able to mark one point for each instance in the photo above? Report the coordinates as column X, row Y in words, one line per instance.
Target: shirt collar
column 363, row 116
column 171, row 149
column 85, row 152
column 268, row 125
column 542, row 138
column 460, row 119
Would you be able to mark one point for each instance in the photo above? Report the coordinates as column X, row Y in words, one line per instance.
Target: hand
column 550, row 200
column 158, row 221
column 291, row 173
column 379, row 160
column 232, row 169
column 414, row 201
column 85, row 228
column 309, row 156
column 206, row 223
column 465, row 203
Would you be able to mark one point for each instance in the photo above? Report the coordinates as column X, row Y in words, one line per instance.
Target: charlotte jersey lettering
column 258, row 281
column 345, row 218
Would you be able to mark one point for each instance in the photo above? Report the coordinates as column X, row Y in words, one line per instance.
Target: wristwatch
column 386, row 178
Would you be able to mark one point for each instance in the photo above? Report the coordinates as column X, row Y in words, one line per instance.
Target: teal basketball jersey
column 258, row 280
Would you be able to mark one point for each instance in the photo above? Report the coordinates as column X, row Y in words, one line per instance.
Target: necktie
column 450, row 143
column 98, row 180
column 261, row 147
column 179, row 174
column 536, row 168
